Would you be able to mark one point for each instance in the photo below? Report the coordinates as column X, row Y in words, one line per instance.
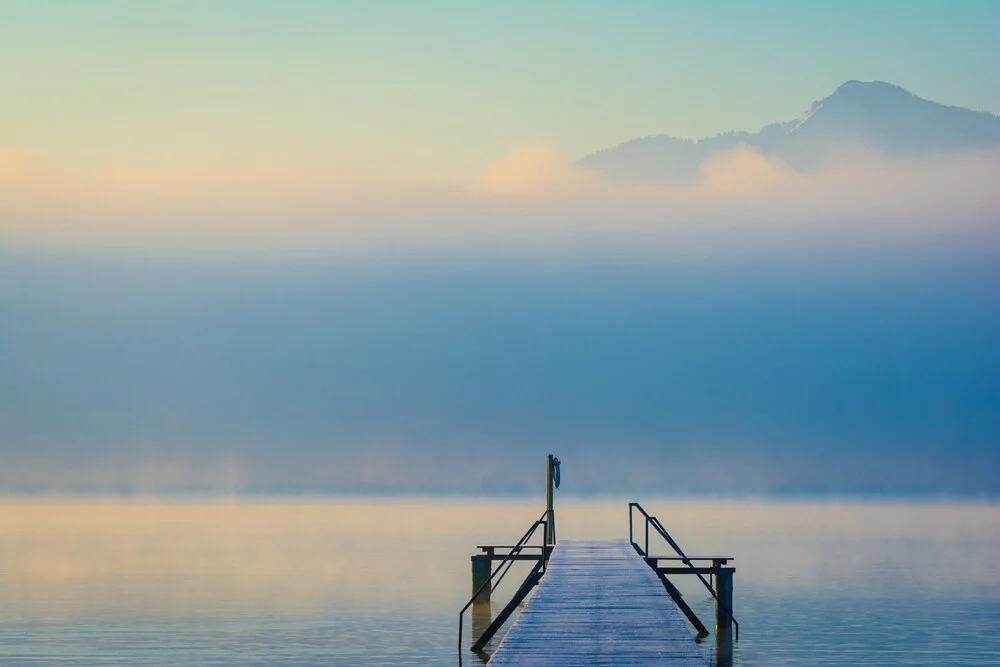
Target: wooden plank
column 507, row 547
column 694, row 570
column 598, row 604
column 721, row 559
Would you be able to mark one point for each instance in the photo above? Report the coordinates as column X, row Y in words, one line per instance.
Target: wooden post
column 482, row 566
column 550, row 516
column 724, row 591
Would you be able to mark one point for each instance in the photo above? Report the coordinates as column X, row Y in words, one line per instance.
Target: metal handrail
column 508, row 560
column 684, row 559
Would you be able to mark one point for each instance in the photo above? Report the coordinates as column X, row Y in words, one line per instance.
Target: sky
column 347, row 248
column 440, row 90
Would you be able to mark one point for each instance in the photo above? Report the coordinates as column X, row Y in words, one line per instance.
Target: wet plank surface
column 598, row 604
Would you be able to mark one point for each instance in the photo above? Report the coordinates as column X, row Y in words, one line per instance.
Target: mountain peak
column 872, row 115
column 871, row 92
column 855, row 86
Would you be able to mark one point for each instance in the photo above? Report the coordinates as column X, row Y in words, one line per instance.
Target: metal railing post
column 631, row 541
column 545, row 545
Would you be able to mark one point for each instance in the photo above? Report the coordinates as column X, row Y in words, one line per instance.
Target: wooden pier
column 602, row 603
column 599, row 603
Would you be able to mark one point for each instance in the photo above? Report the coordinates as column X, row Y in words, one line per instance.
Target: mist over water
column 817, row 368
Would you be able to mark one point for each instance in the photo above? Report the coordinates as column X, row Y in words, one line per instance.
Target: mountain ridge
column 872, row 115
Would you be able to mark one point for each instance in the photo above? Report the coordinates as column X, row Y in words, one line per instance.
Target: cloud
column 530, row 197
column 537, row 172
column 742, row 172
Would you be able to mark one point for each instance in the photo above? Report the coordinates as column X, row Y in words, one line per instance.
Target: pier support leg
column 481, row 568
column 724, row 591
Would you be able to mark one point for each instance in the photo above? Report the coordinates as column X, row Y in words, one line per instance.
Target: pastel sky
column 348, row 247
column 443, row 89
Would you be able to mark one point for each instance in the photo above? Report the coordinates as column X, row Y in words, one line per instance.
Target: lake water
column 357, row 582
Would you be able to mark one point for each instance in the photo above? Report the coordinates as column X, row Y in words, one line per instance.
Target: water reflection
column 482, row 616
column 723, row 647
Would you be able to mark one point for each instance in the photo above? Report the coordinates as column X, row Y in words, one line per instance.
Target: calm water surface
column 379, row 582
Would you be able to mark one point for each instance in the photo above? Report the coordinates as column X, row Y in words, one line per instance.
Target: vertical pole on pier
column 481, row 568
column 550, row 516
column 724, row 591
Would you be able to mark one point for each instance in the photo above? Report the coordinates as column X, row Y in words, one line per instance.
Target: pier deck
column 598, row 604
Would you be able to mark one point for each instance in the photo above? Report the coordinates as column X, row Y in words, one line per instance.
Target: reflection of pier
column 600, row 602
